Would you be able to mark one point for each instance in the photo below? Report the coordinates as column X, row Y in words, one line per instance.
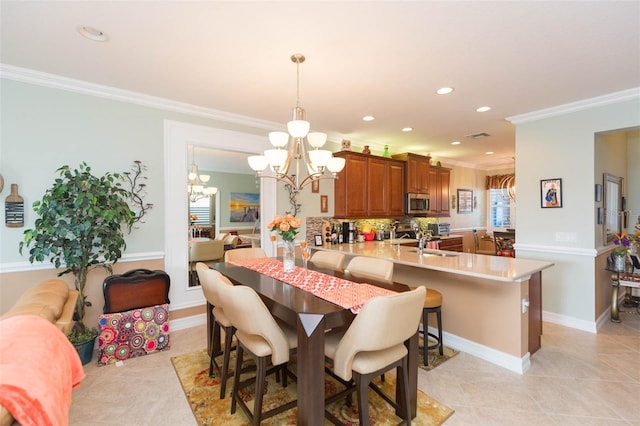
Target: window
column 202, row 209
column 501, row 209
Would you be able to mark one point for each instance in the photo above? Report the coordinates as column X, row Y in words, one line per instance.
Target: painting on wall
column 244, row 207
column 551, row 193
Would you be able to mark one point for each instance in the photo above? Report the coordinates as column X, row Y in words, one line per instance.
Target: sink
column 434, row 253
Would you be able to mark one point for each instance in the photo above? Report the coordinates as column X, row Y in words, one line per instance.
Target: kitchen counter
column 496, row 268
column 492, row 305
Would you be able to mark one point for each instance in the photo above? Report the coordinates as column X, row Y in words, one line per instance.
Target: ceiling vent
column 479, row 135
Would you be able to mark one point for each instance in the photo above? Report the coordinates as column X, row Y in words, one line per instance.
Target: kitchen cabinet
column 451, row 243
column 369, row 186
column 439, row 178
column 416, row 172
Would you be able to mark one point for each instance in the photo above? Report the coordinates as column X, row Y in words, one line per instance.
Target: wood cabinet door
column 423, row 176
column 378, row 190
column 445, row 176
column 396, row 188
column 413, row 175
column 434, row 192
column 350, row 187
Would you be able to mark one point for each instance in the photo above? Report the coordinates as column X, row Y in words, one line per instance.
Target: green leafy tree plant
column 80, row 226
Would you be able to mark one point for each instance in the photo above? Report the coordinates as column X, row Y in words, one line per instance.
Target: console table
column 629, row 281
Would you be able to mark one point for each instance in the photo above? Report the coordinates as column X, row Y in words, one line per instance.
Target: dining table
column 312, row 316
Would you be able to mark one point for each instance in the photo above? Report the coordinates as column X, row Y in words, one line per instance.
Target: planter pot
column 85, row 350
column 619, row 262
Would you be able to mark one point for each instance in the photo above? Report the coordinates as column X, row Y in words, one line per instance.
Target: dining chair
column 373, row 344
column 329, row 260
column 244, row 253
column 203, row 251
column 259, row 335
column 371, row 268
column 211, row 280
column 476, row 241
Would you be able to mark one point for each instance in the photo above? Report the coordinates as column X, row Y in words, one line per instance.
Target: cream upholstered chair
column 259, row 335
column 329, row 260
column 476, row 240
column 203, row 251
column 371, row 268
column 374, row 344
column 244, row 253
column 210, row 281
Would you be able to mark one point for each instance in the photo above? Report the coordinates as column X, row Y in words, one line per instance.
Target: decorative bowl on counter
column 368, row 236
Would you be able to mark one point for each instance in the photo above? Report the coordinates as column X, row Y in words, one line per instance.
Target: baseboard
column 501, row 359
column 188, row 322
column 552, row 317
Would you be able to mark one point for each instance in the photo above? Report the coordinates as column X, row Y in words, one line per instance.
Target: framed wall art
column 315, row 185
column 465, row 201
column 324, row 204
column 551, row 193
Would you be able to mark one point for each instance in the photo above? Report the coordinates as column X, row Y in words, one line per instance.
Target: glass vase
column 288, row 256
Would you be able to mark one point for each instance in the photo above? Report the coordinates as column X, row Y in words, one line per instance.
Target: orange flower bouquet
column 286, row 226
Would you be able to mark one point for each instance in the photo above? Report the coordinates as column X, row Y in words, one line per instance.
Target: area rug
column 203, row 391
column 434, row 357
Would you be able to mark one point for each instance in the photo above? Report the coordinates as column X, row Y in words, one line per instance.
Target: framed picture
column 324, row 204
column 317, row 240
column 600, row 215
column 551, row 193
column 315, row 185
column 465, row 201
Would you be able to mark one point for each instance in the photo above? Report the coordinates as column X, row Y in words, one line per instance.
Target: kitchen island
column 491, row 304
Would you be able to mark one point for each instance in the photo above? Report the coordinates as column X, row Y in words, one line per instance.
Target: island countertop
column 497, row 268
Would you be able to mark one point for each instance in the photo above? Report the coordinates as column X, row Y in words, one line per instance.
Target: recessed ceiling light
column 92, row 33
column 489, row 152
column 444, row 90
column 455, row 143
column 483, row 109
column 368, row 118
column 407, row 129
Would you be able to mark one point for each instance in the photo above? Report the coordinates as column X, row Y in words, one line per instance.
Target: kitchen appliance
column 404, row 230
column 349, row 232
column 434, row 228
column 444, row 228
column 417, row 204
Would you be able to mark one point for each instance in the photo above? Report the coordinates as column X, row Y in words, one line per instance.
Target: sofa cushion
column 35, row 308
column 52, row 293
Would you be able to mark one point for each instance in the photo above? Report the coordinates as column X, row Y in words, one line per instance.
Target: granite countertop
column 496, row 268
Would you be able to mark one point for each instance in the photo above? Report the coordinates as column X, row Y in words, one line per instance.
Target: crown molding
column 611, row 98
column 39, row 78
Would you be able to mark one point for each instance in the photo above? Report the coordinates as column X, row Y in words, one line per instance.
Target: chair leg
column 362, row 391
column 425, row 335
column 439, row 315
column 228, row 339
column 236, row 378
column 403, row 381
column 261, row 374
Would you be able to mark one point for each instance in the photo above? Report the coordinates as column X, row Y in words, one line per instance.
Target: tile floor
column 576, row 378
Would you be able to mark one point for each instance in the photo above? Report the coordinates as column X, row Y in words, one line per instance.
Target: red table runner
column 347, row 294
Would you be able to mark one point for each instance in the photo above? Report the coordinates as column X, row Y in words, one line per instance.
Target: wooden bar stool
column 432, row 304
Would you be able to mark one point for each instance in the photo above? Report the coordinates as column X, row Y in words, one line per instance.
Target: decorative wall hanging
column 138, row 191
column 244, row 207
column 14, row 209
column 551, row 193
column 465, row 201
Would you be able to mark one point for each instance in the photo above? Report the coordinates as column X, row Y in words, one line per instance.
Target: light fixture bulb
column 276, row 157
column 205, row 178
column 336, row 164
column 258, row 162
column 317, row 139
column 298, row 128
column 319, row 157
column 279, row 139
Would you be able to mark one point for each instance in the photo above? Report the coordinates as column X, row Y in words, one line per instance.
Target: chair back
column 383, row 322
column 251, row 318
column 329, row 260
column 372, row 268
column 244, row 253
column 210, row 281
column 202, row 251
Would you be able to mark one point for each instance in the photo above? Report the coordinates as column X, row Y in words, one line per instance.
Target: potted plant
column 623, row 247
column 80, row 226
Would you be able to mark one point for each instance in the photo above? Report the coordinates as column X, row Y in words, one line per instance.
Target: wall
column 560, row 143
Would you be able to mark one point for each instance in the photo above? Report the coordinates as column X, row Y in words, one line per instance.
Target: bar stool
column 432, row 304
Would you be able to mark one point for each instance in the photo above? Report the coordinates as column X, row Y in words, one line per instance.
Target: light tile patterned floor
column 576, row 378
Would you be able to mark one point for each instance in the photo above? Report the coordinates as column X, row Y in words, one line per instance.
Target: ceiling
column 378, row 58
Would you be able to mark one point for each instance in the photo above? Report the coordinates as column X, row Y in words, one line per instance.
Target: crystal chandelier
column 316, row 160
column 197, row 187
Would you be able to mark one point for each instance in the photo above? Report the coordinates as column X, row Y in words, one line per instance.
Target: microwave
column 417, row 203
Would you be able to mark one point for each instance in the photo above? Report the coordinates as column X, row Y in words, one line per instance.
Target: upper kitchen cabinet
column 369, row 186
column 439, row 191
column 416, row 172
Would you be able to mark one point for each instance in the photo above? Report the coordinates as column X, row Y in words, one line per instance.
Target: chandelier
column 197, row 187
column 508, row 183
column 316, row 160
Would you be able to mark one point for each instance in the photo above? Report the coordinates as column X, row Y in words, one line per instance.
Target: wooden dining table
column 312, row 316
